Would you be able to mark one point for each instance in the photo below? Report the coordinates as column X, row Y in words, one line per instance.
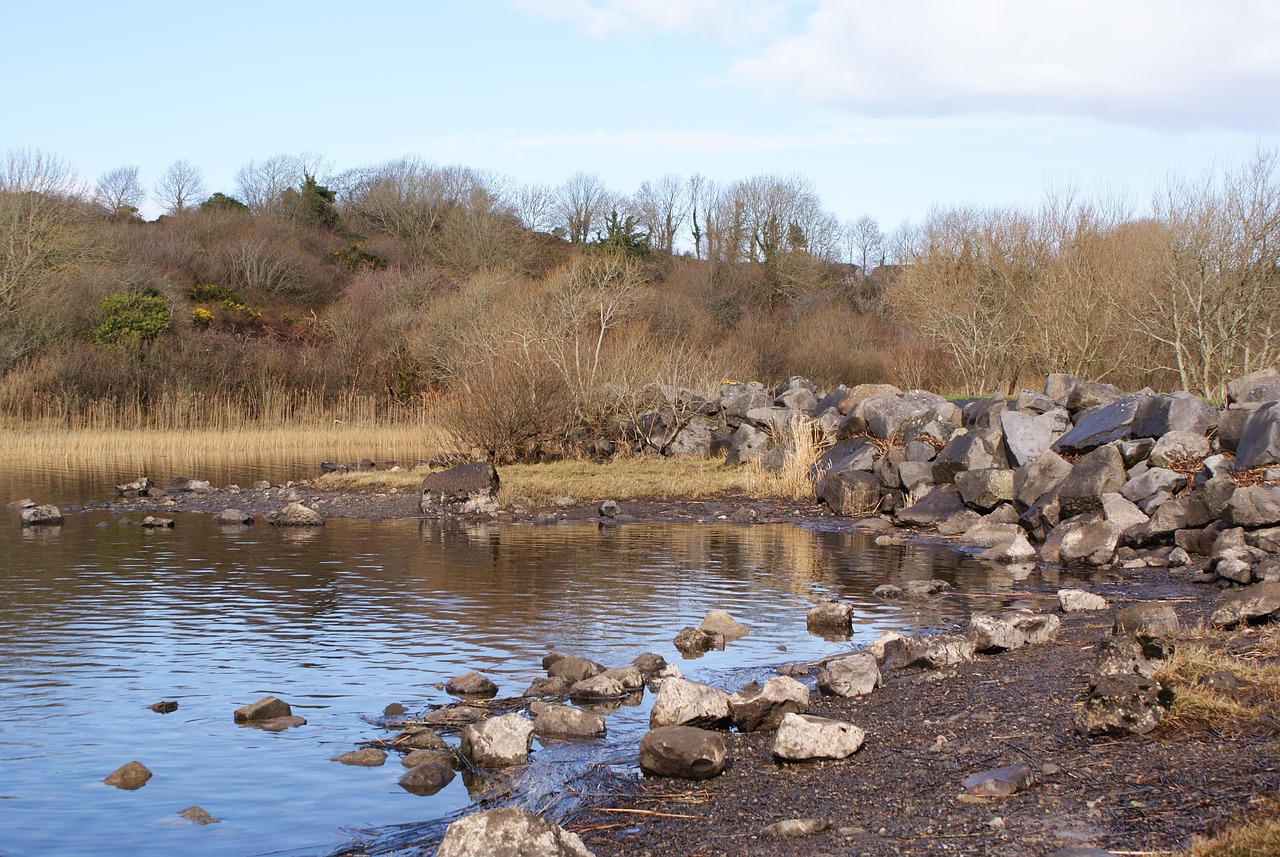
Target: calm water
column 98, row 620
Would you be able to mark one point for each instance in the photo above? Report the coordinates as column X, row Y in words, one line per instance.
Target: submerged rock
column 267, row 708
column 42, row 516
column 509, row 833
column 129, row 776
column 498, row 742
column 295, row 515
column 366, row 757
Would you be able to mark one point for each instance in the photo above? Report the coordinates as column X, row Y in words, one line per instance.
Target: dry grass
column 1250, row 655
column 1255, row 839
column 805, row 442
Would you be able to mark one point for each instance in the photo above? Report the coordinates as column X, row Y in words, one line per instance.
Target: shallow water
column 100, row 619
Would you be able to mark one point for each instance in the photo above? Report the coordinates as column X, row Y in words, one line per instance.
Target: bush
column 130, row 321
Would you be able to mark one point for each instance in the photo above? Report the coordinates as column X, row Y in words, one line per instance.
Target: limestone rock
column 366, row 757
column 684, row 752
column 1121, row 705
column 1090, row 544
column 758, row 709
column 1100, row 426
column 720, row 622
column 603, row 686
column 849, row 675
column 295, row 515
column 1038, row 477
column 1257, row 604
column 232, row 517
column 1001, row 782
column 1099, row 472
column 468, row 489
column 681, row 702
column 985, row 489
column 1259, row 444
column 1179, row 446
column 850, row 492
column 1148, row 620
column 1121, row 655
column 991, row 635
column 937, row 505
column 46, row 515
column 927, row 652
column 573, row 669
column 695, row 641
column 744, row 445
column 566, row 720
column 509, row 833
column 876, row 646
column 197, row 815
column 129, row 776
column 831, row 617
column 1036, row 627
column 802, row 737
column 1013, row 549
column 1079, row 601
column 1151, row 482
column 471, row 684
column 267, row 708
column 429, row 775
column 795, row 828
column 1260, row 386
column 498, row 742
column 1028, row 435
column 1258, row 506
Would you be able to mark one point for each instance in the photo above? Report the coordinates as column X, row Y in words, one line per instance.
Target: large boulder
column 830, row 617
column 681, row 702
column 1259, row 444
column 693, row 438
column 1100, row 426
column 1156, row 416
column 937, row 505
column 759, row 709
column 1254, row 605
column 1179, row 446
column 565, row 720
column 509, row 833
column 850, row 492
column 747, row 443
column 856, row 674
column 1090, row 544
column 1260, row 386
column 1152, row 481
column 720, row 622
column 295, row 515
column 1257, row 506
column 736, row 398
column 1121, row 705
column 430, row 772
column 471, row 684
column 468, row 489
column 1148, row 620
column 986, row 488
column 802, row 737
column 1028, row 435
column 572, row 669
column 267, row 708
column 969, row 451
column 1036, row 478
column 1099, row 472
column 889, row 417
column 498, row 742
column 991, row 635
column 683, row 752
column 42, row 516
column 927, row 652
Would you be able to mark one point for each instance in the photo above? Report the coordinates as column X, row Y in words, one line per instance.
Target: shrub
column 130, row 320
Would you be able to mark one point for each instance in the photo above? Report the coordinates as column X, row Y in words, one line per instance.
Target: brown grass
column 1250, row 655
column 1254, row 839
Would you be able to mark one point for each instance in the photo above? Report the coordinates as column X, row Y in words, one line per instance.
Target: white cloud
column 1163, row 63
column 727, row 19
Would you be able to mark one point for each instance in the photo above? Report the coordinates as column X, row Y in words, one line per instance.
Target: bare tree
column 260, row 183
column 535, row 205
column 661, row 208
column 179, row 186
column 864, row 243
column 119, row 192
column 583, row 202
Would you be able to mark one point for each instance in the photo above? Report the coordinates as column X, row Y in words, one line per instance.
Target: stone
column 135, row 488
column 1036, row 627
column 649, row 663
column 693, row 438
column 681, row 702
column 795, row 828
column 959, row 523
column 366, row 757
column 802, row 737
column 603, row 686
column 150, row 522
column 1100, row 426
column 799, row 399
column 1031, row 402
column 1256, row 506
column 1035, row 479
column 1027, row 436
column 609, row 509
column 876, row 646
column 1260, row 386
column 970, row 451
column 232, row 518
column 1257, row 604
column 850, row 492
column 1121, row 705
column 1121, row 512
column 1215, row 492
column 934, row 651
column 429, row 775
column 849, row 675
column 498, row 742
column 916, row 476
column 472, row 684
column 695, row 641
column 419, row 738
column 1179, row 446
column 683, row 752
column 467, row 489
column 1259, row 444
column 1267, row 539
column 1148, row 620
column 888, row 592
column 1122, row 655
column 630, row 678
column 421, row 757
column 1089, row 395
column 45, row 515
column 857, row 452
column 549, row 686
column 1231, row 423
column 573, row 669
column 830, row 617
column 1091, row 545
column 1099, row 472
column 935, row 506
column 1000, row 782
column 1151, row 482
column 919, row 589
column 720, row 622
column 267, row 708
column 1079, row 601
column 988, row 534
column 565, row 720
column 1013, row 549
column 1157, row 416
column 295, row 515
column 759, row 709
column 197, row 815
column 130, row 776
column 509, row 833
column 986, row 488
column 991, row 635
column 736, row 398
column 862, row 392
column 744, row 445
column 164, row 706
column 278, row 724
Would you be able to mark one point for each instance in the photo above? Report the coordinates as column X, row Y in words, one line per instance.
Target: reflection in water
column 99, row 622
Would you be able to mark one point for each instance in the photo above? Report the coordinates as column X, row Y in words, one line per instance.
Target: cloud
column 1163, row 63
column 726, row 19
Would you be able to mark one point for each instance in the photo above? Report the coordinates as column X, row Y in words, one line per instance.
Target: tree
column 661, row 208
column 220, row 201
column 119, row 192
column 535, row 205
column 179, row 186
column 311, row 204
column 621, row 235
column 260, row 183
column 865, row 243
column 582, row 202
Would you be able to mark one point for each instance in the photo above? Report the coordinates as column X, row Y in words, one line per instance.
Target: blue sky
column 888, row 108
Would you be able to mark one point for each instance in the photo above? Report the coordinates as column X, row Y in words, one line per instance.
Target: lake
column 99, row 619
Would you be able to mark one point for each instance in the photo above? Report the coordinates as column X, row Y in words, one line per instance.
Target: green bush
column 130, row 320
column 214, row 293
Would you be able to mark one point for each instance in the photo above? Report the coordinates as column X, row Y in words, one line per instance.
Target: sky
column 888, row 108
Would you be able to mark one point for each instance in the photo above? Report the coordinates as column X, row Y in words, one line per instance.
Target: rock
column 1013, row 549
column 964, row 452
column 849, row 675
column 603, row 686
column 935, row 506
column 429, row 775
column 1089, row 395
column 649, row 663
column 737, row 398
column 1257, row 506
column 498, row 742
column 795, row 828
column 1179, row 446
column 1157, row 416
column 1091, row 545
column 720, row 622
column 1121, row 705
column 196, row 815
column 421, row 738
column 509, row 833
column 1259, row 444
column 1257, row 604
column 569, row 721
column 630, row 678
column 886, row 417
column 759, row 709
column 985, row 489
column 876, row 646
column 153, row 523
column 1121, row 512
column 1151, row 482
column 367, row 757
column 1099, row 472
column 693, row 438
column 1027, row 436
column 926, row 588
column 573, row 669
column 422, row 757
column 1036, row 627
column 888, row 592
column 1100, row 426
column 684, row 752
column 1121, row 655
column 42, row 516
column 692, row 640
column 136, row 488
column 745, row 444
column 164, row 706
column 467, row 489
column 1079, row 601
column 609, row 509
column 550, row 686
column 988, row 534
column 850, row 492
column 295, row 515
column 830, row 617
column 681, row 702
column 278, row 724
column 992, row 635
column 802, row 737
column 1148, row 620
column 927, row 652
column 471, row 684
column 129, row 776
column 232, row 517
column 1001, row 782
column 1034, row 480
column 1260, row 386
column 267, row 708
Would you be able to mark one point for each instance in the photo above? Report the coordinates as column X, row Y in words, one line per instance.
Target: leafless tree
column 119, row 192
column 181, row 185
column 661, row 208
column 535, row 205
column 583, row 202
column 260, row 183
column 864, row 242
